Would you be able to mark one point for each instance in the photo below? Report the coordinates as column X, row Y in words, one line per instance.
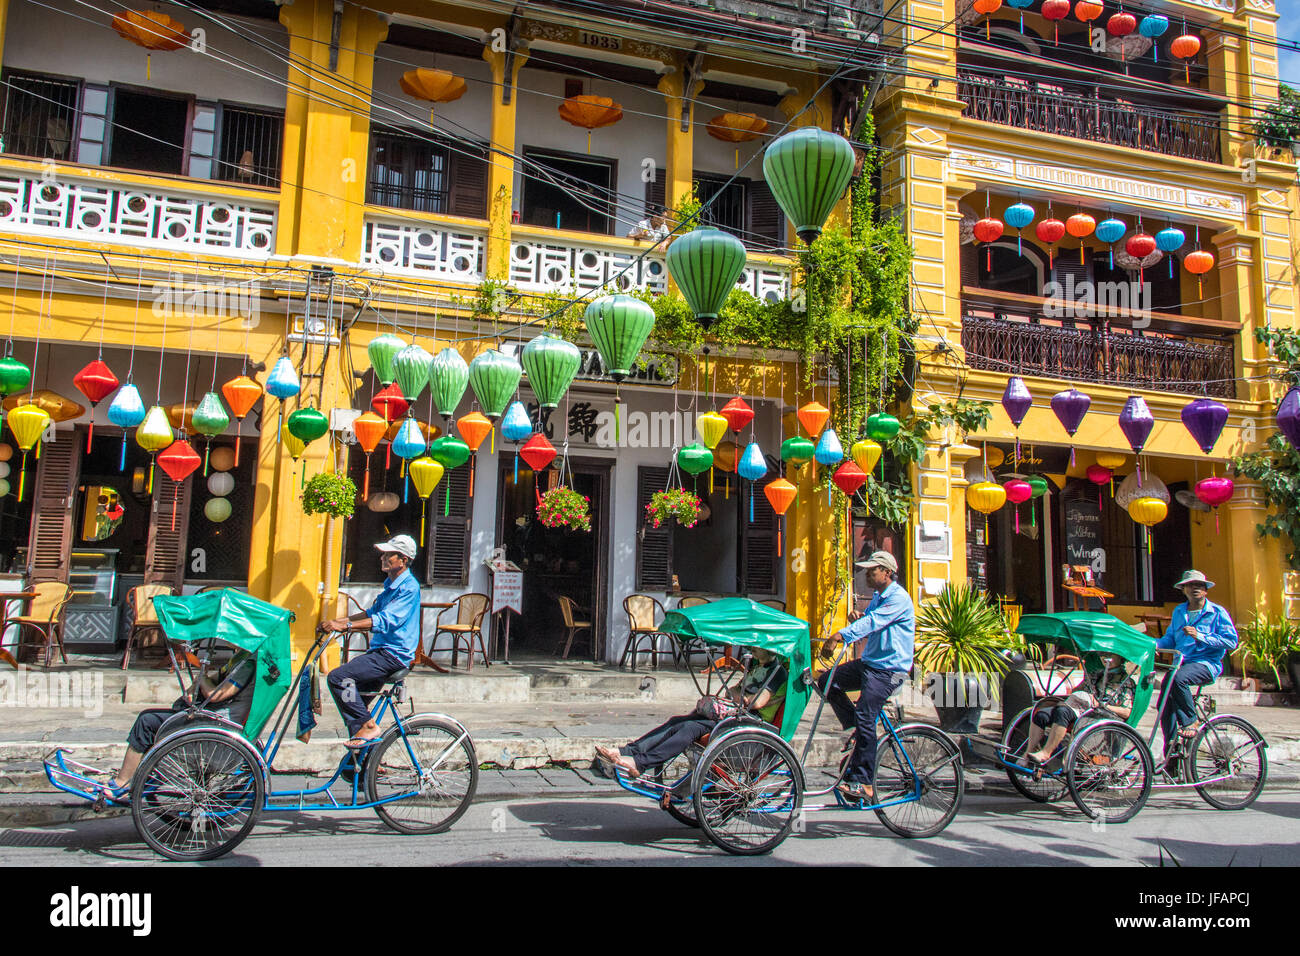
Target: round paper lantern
column 1018, row 216
column 307, row 424
column 382, row 349
column 1140, row 245
column 283, row 382
column 882, row 427
column 993, row 457
column 494, row 377
column 4, row 469
column 409, row 441
column 829, row 450
column 1111, row 231
column 694, row 459
column 6, row 452
column 383, row 502
column 217, row 510
column 1080, row 226
column 411, row 371
column 551, row 364
column 1214, row 491
column 474, row 428
column 538, row 452
column 1099, row 474
column 434, row 86
column 1198, row 263
column 1148, row 511
column 849, row 478
column 797, row 450
column 807, row 170
column 1204, row 418
column 737, row 127
column 1038, row 485
column 1136, row 422
column 1170, row 239
column 1288, row 416
column 706, row 263
column 866, row 453
column 1085, row 11
column 222, row 458
column 516, row 425
column 590, row 112
column 389, row 403
column 1021, row 5
column 448, row 379
column 986, row 7
column 1121, row 24
column 1141, row 486
column 989, row 229
column 1111, row 459
column 1018, row 491
column 1056, row 11
column 737, row 413
column 752, row 466
column 986, row 497
column 1185, row 48
column 711, row 427
column 619, row 326
column 813, row 417
column 4, row 488
column 221, row 483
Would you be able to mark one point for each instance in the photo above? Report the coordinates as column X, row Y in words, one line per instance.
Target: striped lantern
column 706, row 264
column 807, row 170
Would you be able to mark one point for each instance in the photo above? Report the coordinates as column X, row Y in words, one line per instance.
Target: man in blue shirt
column 394, row 624
column 1202, row 632
column 888, row 630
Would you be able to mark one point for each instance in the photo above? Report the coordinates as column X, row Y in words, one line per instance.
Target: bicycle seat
column 396, row 677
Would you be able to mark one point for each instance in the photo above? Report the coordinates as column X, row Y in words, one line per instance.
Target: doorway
column 557, row 562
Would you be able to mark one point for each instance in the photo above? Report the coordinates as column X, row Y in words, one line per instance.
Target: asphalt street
column 991, row 829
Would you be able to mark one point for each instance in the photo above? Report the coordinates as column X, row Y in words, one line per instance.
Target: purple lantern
column 1205, row 419
column 1070, row 406
column 1136, row 422
column 1288, row 417
column 1017, row 401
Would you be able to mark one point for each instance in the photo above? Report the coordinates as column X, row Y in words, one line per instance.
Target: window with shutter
column 766, row 221
column 654, row 546
column 654, row 195
column 758, row 544
column 55, row 491
column 448, row 534
column 469, row 176
column 166, row 557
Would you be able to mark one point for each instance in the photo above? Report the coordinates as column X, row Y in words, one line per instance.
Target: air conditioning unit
column 341, row 420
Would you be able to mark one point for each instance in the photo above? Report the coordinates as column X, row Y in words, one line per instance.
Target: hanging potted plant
column 673, row 503
column 330, row 493
column 961, row 640
column 564, row 508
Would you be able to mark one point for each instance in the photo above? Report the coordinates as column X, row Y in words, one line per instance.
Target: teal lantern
column 210, row 419
column 829, row 451
column 619, row 325
column 807, row 171
column 409, row 441
column 448, row 377
column 382, row 350
column 494, row 376
column 307, row 424
column 705, row 264
column 797, row 450
column 411, row 371
column 551, row 364
column 694, row 459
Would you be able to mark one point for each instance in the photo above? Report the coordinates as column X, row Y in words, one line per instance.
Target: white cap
column 881, row 559
column 402, row 544
column 1194, row 577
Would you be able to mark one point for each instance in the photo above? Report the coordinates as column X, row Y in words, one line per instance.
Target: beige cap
column 1194, row 577
column 881, row 559
column 402, row 544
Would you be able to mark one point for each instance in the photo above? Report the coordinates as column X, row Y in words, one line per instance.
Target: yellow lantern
column 994, row 457
column 28, row 423
column 425, row 474
column 865, row 453
column 711, row 427
column 1148, row 511
column 986, row 497
column 292, row 442
column 1111, row 459
column 153, row 435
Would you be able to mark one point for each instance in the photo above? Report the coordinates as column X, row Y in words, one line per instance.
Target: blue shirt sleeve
column 399, row 608
column 1225, row 632
column 890, row 610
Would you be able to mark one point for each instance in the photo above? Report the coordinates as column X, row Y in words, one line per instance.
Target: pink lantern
column 1018, row 492
column 1215, row 491
column 1099, row 475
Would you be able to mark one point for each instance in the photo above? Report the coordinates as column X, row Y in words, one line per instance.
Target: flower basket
column 565, row 508
column 330, row 494
column 673, row 503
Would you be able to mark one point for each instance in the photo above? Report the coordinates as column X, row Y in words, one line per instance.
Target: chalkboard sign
column 1082, row 530
column 976, row 551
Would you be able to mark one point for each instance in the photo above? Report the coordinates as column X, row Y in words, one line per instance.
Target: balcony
column 426, row 245
column 1078, row 113
column 1002, row 332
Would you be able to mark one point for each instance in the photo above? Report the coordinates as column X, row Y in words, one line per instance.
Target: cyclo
column 203, row 783
column 743, row 784
column 1104, row 763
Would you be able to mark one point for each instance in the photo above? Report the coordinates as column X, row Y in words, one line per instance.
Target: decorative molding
column 453, row 254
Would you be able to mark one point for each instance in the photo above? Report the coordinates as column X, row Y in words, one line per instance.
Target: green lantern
column 619, row 325
column 449, row 451
column 705, row 264
column 1038, row 484
column 807, row 171
column 14, row 375
column 307, row 424
column 551, row 364
column 382, row 350
column 694, row 459
column 411, row 371
column 882, row 426
column 448, row 377
column 210, row 419
column 494, row 376
column 797, row 450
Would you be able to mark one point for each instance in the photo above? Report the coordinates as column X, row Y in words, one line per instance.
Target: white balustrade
column 447, row 252
column 93, row 210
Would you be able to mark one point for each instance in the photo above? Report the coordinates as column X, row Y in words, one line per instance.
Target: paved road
column 992, row 829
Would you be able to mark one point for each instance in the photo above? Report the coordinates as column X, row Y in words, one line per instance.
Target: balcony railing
column 1083, row 115
column 445, row 250
column 1023, row 338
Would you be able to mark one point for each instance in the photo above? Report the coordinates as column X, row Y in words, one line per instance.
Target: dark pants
column 351, row 682
column 145, row 729
column 1061, row 716
column 877, row 686
column 667, row 740
column 1179, row 710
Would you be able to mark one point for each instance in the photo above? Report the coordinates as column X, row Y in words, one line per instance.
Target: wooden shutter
column 447, row 536
column 468, row 173
column 654, row 195
column 654, row 546
column 766, row 221
column 165, row 559
column 54, row 500
column 758, row 544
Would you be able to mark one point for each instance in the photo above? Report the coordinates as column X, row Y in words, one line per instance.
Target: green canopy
column 1092, row 633
column 746, row 623
column 245, row 622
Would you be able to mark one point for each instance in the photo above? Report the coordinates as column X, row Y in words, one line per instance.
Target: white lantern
column 217, row 509
column 221, row 483
column 383, row 501
column 4, row 469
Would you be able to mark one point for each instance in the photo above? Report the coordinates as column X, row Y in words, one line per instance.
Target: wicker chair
column 140, row 598
column 573, row 625
column 469, row 609
column 44, row 616
column 773, row 602
column 347, row 606
column 691, row 646
column 644, row 615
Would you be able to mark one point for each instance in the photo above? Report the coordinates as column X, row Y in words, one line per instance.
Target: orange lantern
column 1086, row 11
column 590, row 112
column 152, row 30
column 473, row 428
column 430, row 432
column 780, row 494
column 436, row 86
column 738, row 128
column 241, row 395
column 813, row 417
column 1081, row 225
column 181, row 415
column 1198, row 263
column 369, row 429
column 59, row 408
column 724, row 459
column 986, row 7
column 1186, row 47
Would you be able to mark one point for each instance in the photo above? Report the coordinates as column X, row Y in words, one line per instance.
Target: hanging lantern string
column 13, row 302
column 162, row 348
column 103, row 309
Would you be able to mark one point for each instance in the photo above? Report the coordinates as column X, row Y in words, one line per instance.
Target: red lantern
column 1140, row 245
column 1056, row 10
column 95, row 381
column 1185, row 48
column 1050, row 231
column 241, row 395
column 179, row 460
column 1121, row 24
column 989, row 230
column 538, row 452
column 849, row 478
column 780, row 495
column 737, row 413
column 1085, row 11
column 1198, row 263
column 390, row 403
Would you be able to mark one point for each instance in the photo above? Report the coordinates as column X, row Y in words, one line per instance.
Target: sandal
column 361, row 743
column 1190, row 731
column 856, row 792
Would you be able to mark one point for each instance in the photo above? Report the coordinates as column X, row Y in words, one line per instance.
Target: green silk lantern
column 1038, row 488
column 551, row 364
column 797, row 450
column 619, row 325
column 494, row 376
column 450, row 452
column 411, row 371
column 705, row 264
column 307, row 424
column 807, row 171
column 14, row 376
column 881, row 427
column 694, row 459
column 210, row 419
column 448, row 378
column 382, row 350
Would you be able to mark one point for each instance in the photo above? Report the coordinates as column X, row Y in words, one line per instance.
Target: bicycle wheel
column 1229, row 754
column 677, row 769
column 427, row 776
column 919, row 776
column 748, row 791
column 1015, row 741
column 1109, row 771
column 197, row 796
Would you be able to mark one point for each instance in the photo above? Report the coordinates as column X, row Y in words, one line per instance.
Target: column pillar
column 1234, row 257
column 505, row 67
column 679, row 88
column 1256, row 574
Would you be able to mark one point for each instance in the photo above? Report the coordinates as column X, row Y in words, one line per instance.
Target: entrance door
column 556, row 561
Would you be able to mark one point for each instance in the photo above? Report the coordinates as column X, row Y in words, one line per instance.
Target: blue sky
column 1288, row 28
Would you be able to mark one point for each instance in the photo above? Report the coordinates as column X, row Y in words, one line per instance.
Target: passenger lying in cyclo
column 1110, row 689
column 224, row 692
column 763, row 693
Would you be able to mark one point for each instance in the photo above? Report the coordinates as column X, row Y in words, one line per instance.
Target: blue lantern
column 752, row 466
column 1021, row 5
column 516, row 426
column 1170, row 241
column 1153, row 27
column 126, row 411
column 1019, row 216
column 283, row 383
column 1111, row 231
column 829, row 451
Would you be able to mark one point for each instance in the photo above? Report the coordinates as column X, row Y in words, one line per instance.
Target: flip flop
column 855, row 793
column 361, row 743
column 1190, row 731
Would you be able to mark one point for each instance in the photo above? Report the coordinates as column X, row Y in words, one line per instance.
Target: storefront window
column 221, row 534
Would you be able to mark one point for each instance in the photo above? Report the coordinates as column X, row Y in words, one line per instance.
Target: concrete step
column 425, row 688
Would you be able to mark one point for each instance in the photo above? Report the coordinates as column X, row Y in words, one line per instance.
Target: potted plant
column 1267, row 645
column 673, row 503
column 961, row 640
column 564, row 508
column 330, row 493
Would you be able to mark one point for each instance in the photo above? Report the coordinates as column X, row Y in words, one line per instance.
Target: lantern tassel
column 405, row 484
column 239, row 433
column 751, row 504
column 1081, row 262
column 1071, row 456
column 516, row 468
column 1017, row 519
column 365, row 493
column 778, row 537
column 207, row 450
column 90, row 433
column 388, row 457
column 1216, row 520
column 446, row 501
column 492, row 442
column 22, row 477
column 176, row 492
column 473, row 464
column 149, row 486
column 121, row 463
column 710, row 481
column 423, row 512
column 726, row 488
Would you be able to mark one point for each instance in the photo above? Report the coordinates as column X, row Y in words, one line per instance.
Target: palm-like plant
column 961, row 632
column 1265, row 644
